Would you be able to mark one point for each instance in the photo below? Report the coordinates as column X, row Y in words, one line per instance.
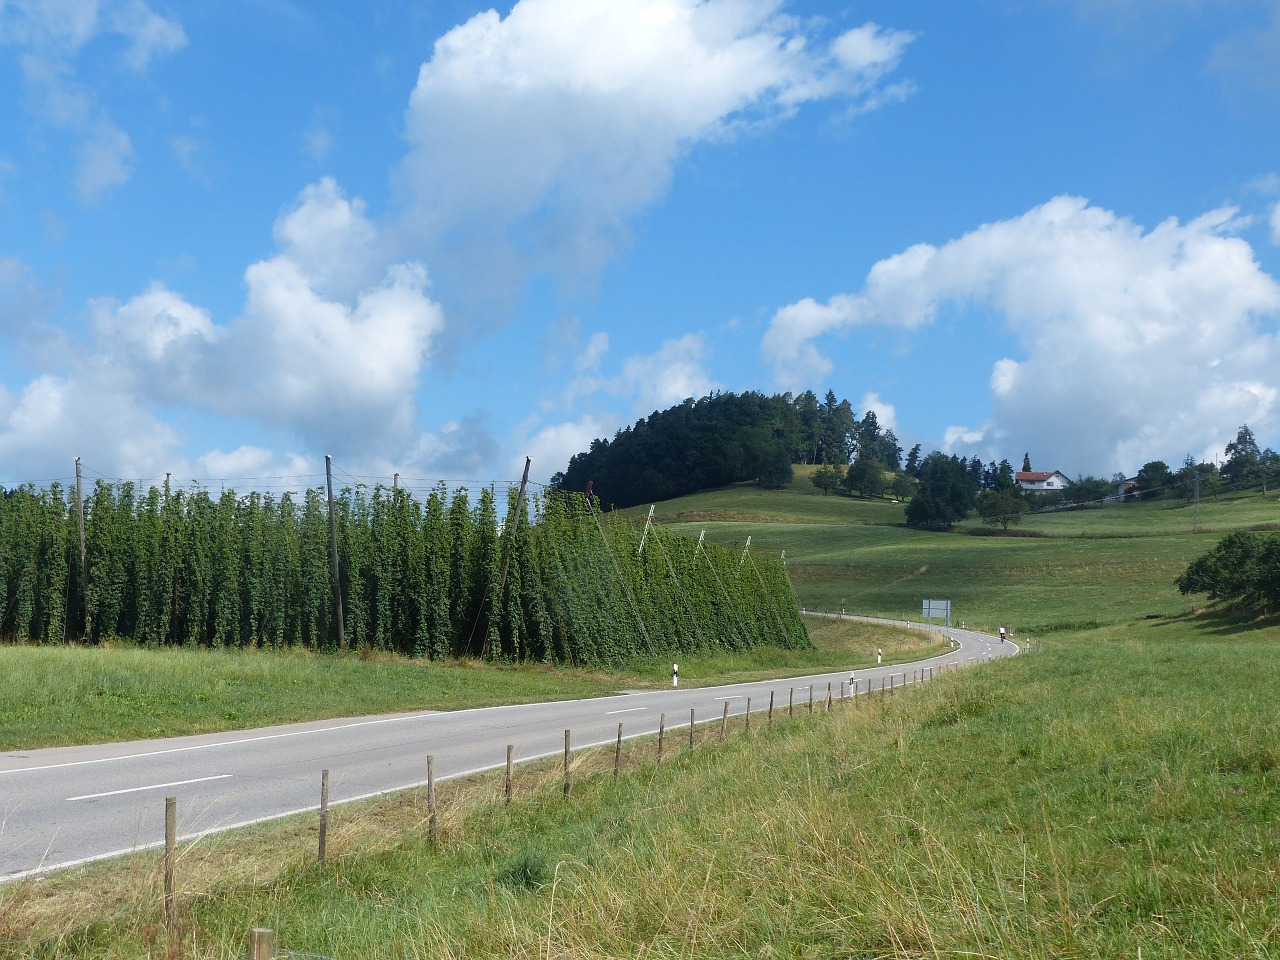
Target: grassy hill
column 1063, row 570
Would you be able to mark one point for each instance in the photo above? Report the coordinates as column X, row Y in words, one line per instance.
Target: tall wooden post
column 84, row 555
column 617, row 755
column 433, row 825
column 262, row 943
column 170, row 862
column 324, row 816
column 511, row 756
column 333, row 553
column 566, row 763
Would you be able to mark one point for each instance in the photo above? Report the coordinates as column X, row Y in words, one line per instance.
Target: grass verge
column 54, row 696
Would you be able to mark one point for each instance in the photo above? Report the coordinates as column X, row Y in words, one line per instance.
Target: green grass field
column 1116, row 794
column 1087, row 567
column 56, row 696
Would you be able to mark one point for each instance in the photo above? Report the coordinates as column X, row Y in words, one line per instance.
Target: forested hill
column 720, row 439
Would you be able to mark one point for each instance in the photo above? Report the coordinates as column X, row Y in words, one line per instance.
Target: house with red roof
column 1040, row 481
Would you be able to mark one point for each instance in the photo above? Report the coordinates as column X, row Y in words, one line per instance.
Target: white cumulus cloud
column 333, row 369
column 54, row 419
column 1136, row 344
column 326, row 368
column 551, row 447
column 668, row 376
column 886, row 413
column 535, row 137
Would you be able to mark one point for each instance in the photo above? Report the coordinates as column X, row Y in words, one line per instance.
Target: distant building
column 1039, row 481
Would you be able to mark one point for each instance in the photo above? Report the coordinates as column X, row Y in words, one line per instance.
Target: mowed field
column 1114, row 794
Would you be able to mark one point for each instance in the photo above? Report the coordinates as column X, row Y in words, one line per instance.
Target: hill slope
column 1079, row 568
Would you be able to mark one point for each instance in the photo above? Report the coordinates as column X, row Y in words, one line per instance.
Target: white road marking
column 157, row 786
column 611, row 713
column 735, row 697
column 220, row 743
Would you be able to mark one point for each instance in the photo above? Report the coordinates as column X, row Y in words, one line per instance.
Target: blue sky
column 435, row 238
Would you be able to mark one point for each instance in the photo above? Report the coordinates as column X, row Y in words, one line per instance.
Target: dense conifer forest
column 726, row 438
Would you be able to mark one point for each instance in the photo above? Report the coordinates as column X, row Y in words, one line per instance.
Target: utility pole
column 515, row 522
column 333, row 553
column 84, row 556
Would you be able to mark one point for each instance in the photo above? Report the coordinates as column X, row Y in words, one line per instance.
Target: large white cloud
column 326, row 352
column 54, row 419
column 535, row 137
column 1135, row 344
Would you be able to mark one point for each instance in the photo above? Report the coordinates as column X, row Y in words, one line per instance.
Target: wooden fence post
column 811, row 698
column 662, row 730
column 170, row 861
column 324, row 815
column 617, row 754
column 692, row 720
column 433, row 826
column 511, row 758
column 771, row 708
column 791, row 702
column 262, row 944
column 566, row 763
column 828, row 696
column 724, row 721
column 748, row 714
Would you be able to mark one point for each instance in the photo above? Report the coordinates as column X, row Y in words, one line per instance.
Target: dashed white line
column 611, row 713
column 154, row 786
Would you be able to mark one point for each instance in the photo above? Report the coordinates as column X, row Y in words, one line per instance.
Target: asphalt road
column 71, row 805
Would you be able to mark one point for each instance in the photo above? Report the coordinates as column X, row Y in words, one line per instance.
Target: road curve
column 67, row 806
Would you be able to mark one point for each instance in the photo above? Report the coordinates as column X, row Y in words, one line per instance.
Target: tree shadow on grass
column 1221, row 622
